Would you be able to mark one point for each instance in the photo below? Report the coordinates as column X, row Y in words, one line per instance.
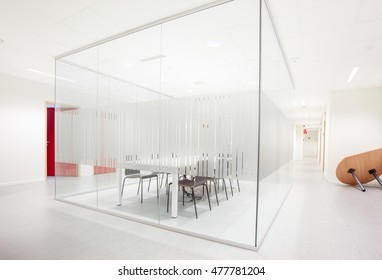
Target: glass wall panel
column 162, row 125
column 129, row 104
column 276, row 131
column 76, row 129
column 211, row 68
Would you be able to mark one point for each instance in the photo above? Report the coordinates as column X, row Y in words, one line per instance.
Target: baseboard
column 7, row 184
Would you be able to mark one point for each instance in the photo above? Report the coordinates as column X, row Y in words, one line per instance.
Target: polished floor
column 317, row 221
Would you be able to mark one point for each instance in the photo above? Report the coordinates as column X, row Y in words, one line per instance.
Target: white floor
column 317, row 221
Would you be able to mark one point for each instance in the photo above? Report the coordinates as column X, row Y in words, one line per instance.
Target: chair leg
column 193, row 198
column 148, row 188
column 168, row 198
column 230, row 183
column 161, row 181
column 139, row 185
column 208, row 196
column 183, row 194
column 157, row 187
column 225, row 188
column 216, row 193
column 123, row 186
column 141, row 190
column 238, row 185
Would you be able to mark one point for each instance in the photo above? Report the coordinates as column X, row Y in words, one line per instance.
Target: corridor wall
column 352, row 122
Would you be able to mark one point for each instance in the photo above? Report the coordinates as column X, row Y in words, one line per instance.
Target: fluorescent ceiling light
column 352, row 74
column 50, row 75
column 213, row 44
column 152, row 57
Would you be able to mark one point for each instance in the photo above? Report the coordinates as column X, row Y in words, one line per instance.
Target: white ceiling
column 187, row 65
column 322, row 39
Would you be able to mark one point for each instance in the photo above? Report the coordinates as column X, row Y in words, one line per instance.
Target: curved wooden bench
column 361, row 164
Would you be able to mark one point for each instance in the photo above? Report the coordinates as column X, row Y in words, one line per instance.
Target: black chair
column 191, row 184
column 136, row 174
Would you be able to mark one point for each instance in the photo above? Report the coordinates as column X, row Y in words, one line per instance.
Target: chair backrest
column 131, row 171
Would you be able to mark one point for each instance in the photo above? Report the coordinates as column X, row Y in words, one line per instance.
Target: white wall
column 353, row 126
column 310, row 146
column 23, row 130
column 276, row 136
column 298, row 142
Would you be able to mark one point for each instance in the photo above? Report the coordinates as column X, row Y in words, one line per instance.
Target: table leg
column 174, row 196
column 119, row 187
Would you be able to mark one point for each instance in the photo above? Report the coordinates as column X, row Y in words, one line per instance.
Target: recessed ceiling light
column 190, row 90
column 164, row 80
column 128, row 64
column 213, row 44
column 352, row 74
column 50, row 75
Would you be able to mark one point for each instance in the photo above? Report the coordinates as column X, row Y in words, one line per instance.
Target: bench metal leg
column 238, row 185
column 374, row 173
column 352, row 172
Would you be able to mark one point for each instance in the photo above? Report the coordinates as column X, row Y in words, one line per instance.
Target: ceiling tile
column 65, row 36
column 95, row 26
column 333, row 15
column 288, row 25
column 279, row 8
column 327, row 38
column 16, row 59
column 370, row 10
column 45, row 45
column 310, row 4
column 366, row 31
column 56, row 10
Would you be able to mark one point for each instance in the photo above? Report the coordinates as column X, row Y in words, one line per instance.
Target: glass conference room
column 200, row 95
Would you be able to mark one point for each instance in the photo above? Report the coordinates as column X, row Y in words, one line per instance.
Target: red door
column 50, row 161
